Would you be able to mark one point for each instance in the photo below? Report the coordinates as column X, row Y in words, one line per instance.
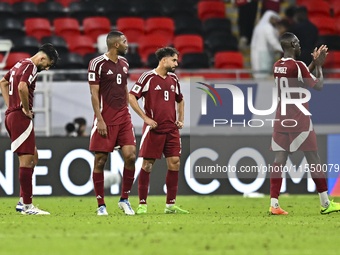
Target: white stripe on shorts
column 144, row 135
column 22, row 138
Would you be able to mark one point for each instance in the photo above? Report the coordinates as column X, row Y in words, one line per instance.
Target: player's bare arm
column 24, row 95
column 127, row 95
column 101, row 125
column 135, row 106
column 180, row 115
column 4, row 84
column 319, row 61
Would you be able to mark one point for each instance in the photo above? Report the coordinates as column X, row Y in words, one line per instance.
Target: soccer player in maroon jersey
column 112, row 127
column 297, row 133
column 161, row 91
column 17, row 88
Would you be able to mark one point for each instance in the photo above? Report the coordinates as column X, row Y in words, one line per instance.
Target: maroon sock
column 25, row 179
column 143, row 186
column 171, row 186
column 98, row 183
column 128, row 177
column 275, row 180
column 21, row 193
column 319, row 178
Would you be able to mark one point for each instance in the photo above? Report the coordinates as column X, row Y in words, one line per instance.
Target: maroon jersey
column 294, row 74
column 22, row 71
column 112, row 80
column 159, row 97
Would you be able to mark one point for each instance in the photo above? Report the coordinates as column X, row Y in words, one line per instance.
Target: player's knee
column 174, row 165
column 147, row 166
column 130, row 159
column 100, row 162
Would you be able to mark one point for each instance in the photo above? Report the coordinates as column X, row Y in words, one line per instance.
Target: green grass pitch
column 216, row 225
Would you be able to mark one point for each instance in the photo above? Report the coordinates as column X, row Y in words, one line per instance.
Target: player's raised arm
column 101, row 125
column 319, row 61
column 315, row 55
column 4, row 84
column 135, row 106
column 180, row 115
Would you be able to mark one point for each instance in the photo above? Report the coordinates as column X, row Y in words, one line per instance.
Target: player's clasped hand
column 153, row 124
column 179, row 124
column 101, row 128
column 319, row 55
column 28, row 114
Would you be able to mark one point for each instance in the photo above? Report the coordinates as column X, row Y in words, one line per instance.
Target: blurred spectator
column 70, row 130
column 273, row 5
column 307, row 33
column 264, row 44
column 247, row 10
column 80, row 125
column 289, row 14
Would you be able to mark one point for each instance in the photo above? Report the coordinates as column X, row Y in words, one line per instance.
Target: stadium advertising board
column 65, row 164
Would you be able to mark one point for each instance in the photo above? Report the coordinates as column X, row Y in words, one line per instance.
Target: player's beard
column 171, row 69
column 122, row 52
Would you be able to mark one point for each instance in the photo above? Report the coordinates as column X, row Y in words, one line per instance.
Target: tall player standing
column 112, row 127
column 161, row 91
column 17, row 88
column 300, row 134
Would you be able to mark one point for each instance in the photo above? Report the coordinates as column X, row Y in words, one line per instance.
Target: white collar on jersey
column 285, row 59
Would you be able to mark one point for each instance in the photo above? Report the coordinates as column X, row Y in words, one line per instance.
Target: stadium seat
column 211, row 9
column 89, row 56
column 220, row 41
column 188, row 44
column 187, row 25
column 66, row 3
column 14, row 57
column 95, row 26
column 81, row 10
column 134, row 60
column 160, row 26
column 178, row 8
column 11, row 28
column 229, row 60
column 34, row 1
column 332, row 42
column 11, row 1
column 113, row 11
column 133, row 28
column 146, row 8
column 6, row 11
column 66, row 27
column 216, row 25
column 332, row 62
column 149, row 44
column 51, row 10
column 80, row 44
column 317, row 8
column 24, row 10
column 27, row 44
column 58, row 42
column 152, row 61
column 72, row 61
column 336, row 9
column 325, row 25
column 38, row 27
column 194, row 60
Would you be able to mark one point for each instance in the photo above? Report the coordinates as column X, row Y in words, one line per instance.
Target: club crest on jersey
column 172, row 87
column 92, row 77
column 125, row 69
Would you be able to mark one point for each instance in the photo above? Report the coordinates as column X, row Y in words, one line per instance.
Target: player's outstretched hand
column 179, row 124
column 153, row 124
column 101, row 128
column 319, row 55
column 28, row 114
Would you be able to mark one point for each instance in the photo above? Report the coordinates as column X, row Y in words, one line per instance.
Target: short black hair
column 112, row 35
column 51, row 52
column 286, row 40
column 81, row 121
column 166, row 52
